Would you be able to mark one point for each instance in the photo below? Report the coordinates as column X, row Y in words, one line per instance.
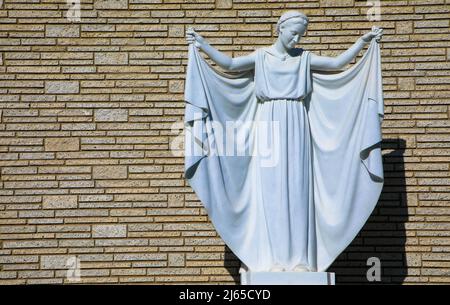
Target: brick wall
column 86, row 110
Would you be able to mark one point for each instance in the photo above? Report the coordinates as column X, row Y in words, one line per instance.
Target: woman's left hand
column 376, row 33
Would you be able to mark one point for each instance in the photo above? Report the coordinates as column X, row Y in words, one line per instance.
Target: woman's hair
column 295, row 15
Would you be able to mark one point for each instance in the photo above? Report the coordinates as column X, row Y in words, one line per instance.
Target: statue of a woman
column 300, row 211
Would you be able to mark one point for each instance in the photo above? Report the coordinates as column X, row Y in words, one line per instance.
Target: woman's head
column 291, row 27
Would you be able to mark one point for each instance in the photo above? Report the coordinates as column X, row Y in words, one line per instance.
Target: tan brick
column 406, row 83
column 111, row 115
column 7, row 275
column 224, row 4
column 106, row 4
column 404, row 27
column 334, row 3
column 176, row 260
column 44, row 281
column 137, row 257
column 60, row 202
column 31, row 244
column 110, row 172
column 62, row 144
column 54, row 261
column 176, row 200
column 62, row 30
column 176, row 30
column 111, row 58
column 62, row 87
column 18, row 259
column 176, row 86
column 102, row 231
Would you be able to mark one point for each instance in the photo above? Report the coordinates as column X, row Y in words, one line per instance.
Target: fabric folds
column 332, row 139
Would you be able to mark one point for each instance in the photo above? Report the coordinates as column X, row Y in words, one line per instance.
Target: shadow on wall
column 383, row 236
column 232, row 264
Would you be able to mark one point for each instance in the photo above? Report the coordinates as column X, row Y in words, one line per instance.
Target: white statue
column 322, row 130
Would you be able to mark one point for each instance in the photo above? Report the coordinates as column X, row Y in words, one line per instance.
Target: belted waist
column 280, row 99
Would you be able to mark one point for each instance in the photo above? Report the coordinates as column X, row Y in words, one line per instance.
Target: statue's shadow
column 232, row 264
column 382, row 237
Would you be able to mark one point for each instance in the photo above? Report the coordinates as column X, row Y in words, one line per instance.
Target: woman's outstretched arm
column 338, row 62
column 246, row 62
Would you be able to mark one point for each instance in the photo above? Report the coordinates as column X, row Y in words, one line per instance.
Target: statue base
column 287, row 278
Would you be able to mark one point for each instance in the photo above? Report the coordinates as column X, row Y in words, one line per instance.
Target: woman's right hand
column 195, row 38
column 376, row 33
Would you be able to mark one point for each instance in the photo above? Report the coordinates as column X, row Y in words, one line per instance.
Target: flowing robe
column 296, row 176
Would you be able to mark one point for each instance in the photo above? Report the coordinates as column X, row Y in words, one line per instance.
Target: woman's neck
column 280, row 48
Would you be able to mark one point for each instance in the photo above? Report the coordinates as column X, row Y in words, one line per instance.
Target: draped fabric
column 286, row 161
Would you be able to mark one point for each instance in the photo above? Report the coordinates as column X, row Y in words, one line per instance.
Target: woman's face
column 290, row 33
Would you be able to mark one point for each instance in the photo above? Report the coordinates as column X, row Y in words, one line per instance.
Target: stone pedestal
column 287, row 278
